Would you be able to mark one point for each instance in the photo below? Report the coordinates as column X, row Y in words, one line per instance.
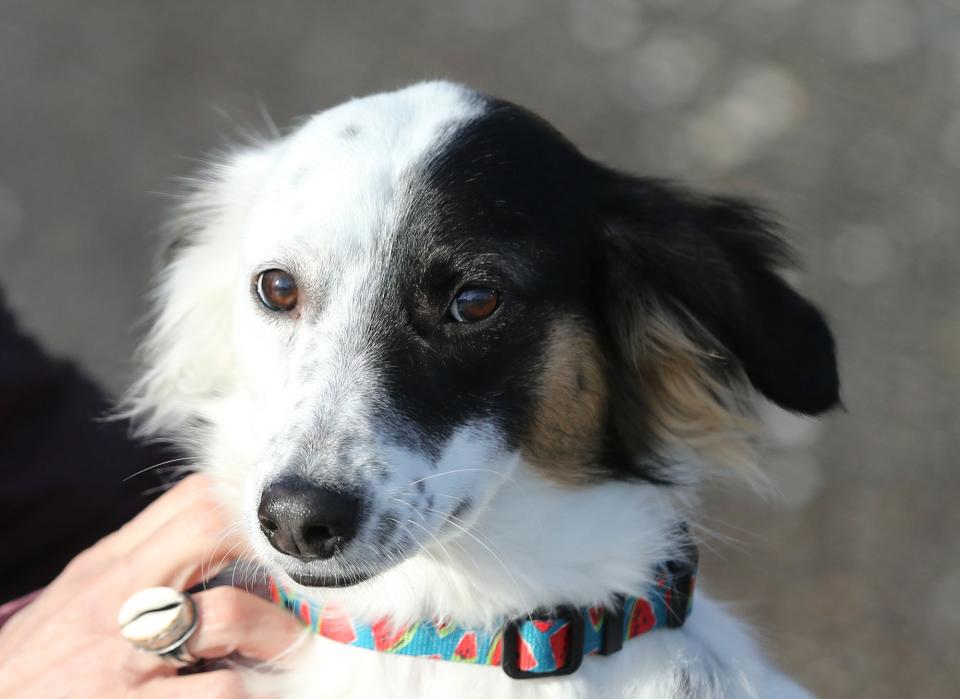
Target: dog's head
column 373, row 322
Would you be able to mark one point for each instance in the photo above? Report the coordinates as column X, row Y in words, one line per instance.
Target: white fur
column 249, row 391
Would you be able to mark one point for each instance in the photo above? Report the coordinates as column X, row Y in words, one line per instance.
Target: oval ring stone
column 156, row 619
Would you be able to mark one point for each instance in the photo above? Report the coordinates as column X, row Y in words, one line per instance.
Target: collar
column 545, row 643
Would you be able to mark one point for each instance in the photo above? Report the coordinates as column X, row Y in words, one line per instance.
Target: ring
column 160, row 621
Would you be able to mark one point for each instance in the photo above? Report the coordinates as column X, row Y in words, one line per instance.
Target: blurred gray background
column 842, row 115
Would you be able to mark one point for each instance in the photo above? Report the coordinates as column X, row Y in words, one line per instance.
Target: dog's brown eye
column 277, row 290
column 474, row 304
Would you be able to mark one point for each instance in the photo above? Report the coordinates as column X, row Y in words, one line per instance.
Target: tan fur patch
column 564, row 438
column 689, row 404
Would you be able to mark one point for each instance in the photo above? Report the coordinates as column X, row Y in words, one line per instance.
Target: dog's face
column 417, row 293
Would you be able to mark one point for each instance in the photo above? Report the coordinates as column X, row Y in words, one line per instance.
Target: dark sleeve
column 62, row 467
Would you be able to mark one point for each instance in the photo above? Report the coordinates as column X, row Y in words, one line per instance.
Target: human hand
column 67, row 642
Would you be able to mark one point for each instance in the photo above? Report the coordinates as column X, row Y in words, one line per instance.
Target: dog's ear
column 696, row 277
column 187, row 355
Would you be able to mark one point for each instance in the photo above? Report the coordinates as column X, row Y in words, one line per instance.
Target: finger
column 219, row 684
column 192, row 489
column 235, row 621
column 193, row 545
column 118, row 544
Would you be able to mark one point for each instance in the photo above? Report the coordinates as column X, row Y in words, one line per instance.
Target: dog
column 459, row 381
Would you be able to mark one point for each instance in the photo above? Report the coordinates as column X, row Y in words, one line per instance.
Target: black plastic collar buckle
column 511, row 644
column 613, row 632
column 682, row 576
column 681, row 573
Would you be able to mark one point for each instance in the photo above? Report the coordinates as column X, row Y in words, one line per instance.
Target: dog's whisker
column 380, row 553
column 420, row 543
column 716, row 534
column 395, row 561
column 489, row 550
column 254, row 568
column 271, row 125
column 414, row 538
column 439, row 495
column 745, row 545
column 240, row 568
column 233, row 571
column 451, row 516
column 150, row 468
column 224, row 533
column 749, row 533
column 504, row 476
column 440, row 568
column 462, row 548
column 222, row 561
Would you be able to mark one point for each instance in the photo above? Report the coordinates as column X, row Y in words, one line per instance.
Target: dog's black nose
column 305, row 520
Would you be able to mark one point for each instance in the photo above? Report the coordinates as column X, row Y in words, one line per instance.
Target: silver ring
column 160, row 621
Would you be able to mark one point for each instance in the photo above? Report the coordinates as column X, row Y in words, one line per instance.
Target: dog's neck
column 534, row 544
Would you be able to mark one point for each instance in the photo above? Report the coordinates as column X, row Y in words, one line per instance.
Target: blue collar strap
column 545, row 643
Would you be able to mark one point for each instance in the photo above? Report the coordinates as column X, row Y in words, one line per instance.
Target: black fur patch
column 508, row 203
column 460, row 509
column 482, row 212
column 712, row 260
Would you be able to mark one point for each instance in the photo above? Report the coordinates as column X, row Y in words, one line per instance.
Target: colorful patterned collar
column 544, row 644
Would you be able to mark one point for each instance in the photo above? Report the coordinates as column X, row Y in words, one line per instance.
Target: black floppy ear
column 710, row 264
